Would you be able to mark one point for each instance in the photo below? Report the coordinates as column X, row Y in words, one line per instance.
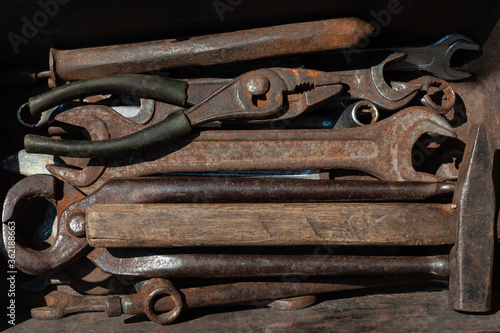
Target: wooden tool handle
column 191, row 224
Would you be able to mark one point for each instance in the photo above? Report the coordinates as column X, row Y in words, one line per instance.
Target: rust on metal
column 259, row 95
column 18, row 199
column 359, row 149
column 155, row 289
column 70, row 242
column 85, row 277
column 226, row 189
column 138, row 262
column 162, row 303
column 298, row 38
column 293, row 303
column 60, row 304
column 434, row 88
column 472, row 257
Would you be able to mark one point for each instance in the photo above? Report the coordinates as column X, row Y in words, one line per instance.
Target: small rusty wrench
column 382, row 149
column 436, row 58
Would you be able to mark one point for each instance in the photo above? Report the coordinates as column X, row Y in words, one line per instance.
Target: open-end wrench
column 436, row 58
column 387, row 157
column 470, row 271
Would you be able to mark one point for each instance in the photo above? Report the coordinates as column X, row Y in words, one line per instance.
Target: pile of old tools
column 205, row 192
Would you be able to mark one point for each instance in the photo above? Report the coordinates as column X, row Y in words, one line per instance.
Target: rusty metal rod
column 227, row 189
column 144, row 264
column 298, row 38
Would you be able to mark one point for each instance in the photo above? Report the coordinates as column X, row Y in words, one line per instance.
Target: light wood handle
column 192, row 224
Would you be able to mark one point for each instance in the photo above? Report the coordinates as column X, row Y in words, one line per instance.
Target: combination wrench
column 359, row 149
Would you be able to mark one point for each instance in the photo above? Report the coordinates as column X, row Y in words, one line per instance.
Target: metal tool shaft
column 227, row 189
column 70, row 241
column 299, row 38
column 156, row 300
column 137, row 262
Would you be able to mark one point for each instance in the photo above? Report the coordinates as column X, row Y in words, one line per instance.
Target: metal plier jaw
column 267, row 94
column 279, row 93
column 66, row 247
column 307, row 89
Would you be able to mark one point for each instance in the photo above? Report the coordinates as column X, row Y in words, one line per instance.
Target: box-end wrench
column 382, row 149
column 163, row 303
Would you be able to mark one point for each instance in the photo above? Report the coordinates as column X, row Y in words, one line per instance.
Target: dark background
column 94, row 23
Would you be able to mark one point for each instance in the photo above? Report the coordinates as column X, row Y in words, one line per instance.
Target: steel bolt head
column 76, row 224
column 257, row 85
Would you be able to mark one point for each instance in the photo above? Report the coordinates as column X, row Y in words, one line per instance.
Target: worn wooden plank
column 385, row 310
column 191, row 224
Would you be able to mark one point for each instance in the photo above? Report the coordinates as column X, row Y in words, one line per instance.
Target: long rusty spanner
column 382, row 149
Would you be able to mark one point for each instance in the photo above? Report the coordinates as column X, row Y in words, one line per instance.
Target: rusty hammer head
column 472, row 257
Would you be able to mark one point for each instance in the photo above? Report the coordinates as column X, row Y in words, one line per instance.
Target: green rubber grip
column 147, row 86
column 173, row 127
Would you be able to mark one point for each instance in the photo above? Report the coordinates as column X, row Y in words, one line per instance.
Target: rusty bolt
column 76, row 224
column 257, row 85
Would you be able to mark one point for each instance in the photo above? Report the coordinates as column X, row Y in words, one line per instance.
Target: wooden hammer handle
column 270, row 224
